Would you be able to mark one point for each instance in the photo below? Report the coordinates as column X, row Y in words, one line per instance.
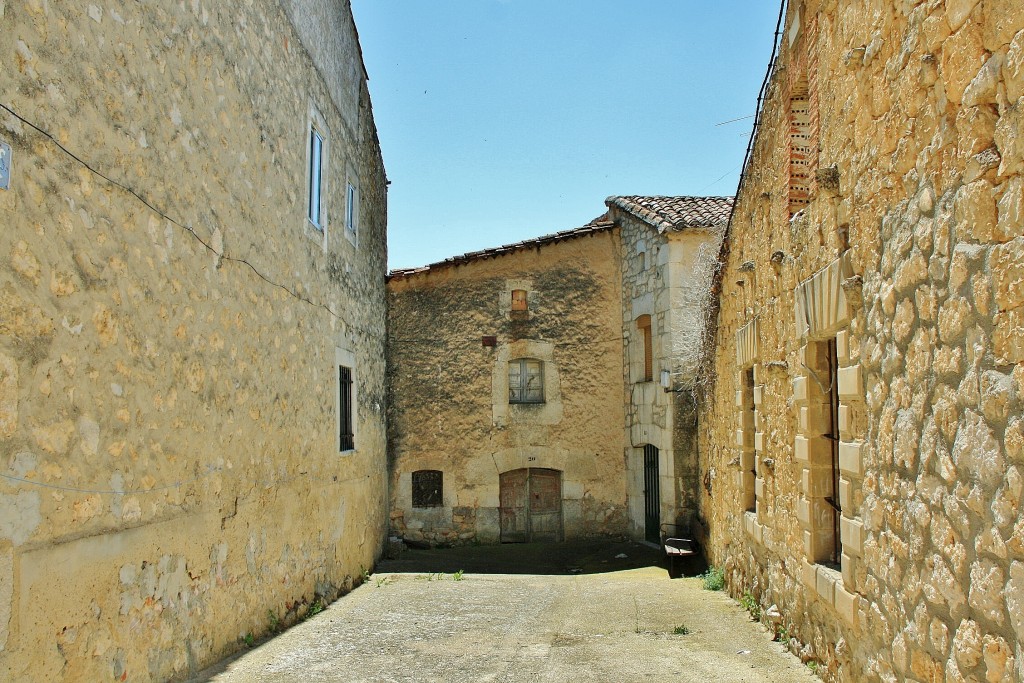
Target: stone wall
column 906, row 261
column 666, row 276
column 171, row 327
column 449, row 406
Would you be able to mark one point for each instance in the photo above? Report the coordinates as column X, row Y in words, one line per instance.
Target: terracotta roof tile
column 599, row 224
column 676, row 213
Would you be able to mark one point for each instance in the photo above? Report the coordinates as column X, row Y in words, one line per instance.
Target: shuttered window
column 525, row 381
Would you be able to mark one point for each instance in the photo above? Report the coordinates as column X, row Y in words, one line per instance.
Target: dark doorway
column 531, row 505
column 652, row 495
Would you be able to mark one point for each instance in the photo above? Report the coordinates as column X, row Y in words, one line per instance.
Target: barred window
column 346, row 435
column 525, row 381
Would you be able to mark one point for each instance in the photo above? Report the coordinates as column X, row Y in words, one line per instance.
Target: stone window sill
column 827, row 585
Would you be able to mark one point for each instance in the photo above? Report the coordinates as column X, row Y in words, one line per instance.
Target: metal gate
column 652, row 495
column 531, row 505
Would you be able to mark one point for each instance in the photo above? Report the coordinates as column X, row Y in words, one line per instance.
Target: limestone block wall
column 649, row 413
column 662, row 279
column 172, row 324
column 449, row 408
column 878, row 240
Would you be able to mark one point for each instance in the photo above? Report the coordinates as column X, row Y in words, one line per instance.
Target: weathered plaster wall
column 917, row 155
column 168, row 418
column 449, row 409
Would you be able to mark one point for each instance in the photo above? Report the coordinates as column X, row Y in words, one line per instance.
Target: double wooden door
column 531, row 505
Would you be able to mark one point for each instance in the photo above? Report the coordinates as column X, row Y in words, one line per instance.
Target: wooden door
column 545, row 511
column 513, row 495
column 531, row 505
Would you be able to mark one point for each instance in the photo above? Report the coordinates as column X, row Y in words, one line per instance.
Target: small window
column 519, row 302
column 351, row 209
column 346, row 441
column 643, row 324
column 427, row 489
column 526, row 381
column 316, row 158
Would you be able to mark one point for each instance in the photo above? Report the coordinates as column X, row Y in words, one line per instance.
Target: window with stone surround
column 819, row 421
column 315, row 173
column 748, row 440
column 643, row 325
column 525, row 381
column 829, row 398
column 346, row 431
column 351, row 211
column 519, row 300
column 427, row 488
column 748, row 454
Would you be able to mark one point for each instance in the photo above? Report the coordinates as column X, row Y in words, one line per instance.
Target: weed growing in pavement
column 681, row 630
column 781, row 634
column 713, row 579
column 751, row 604
column 813, row 666
column 315, row 608
column 364, row 574
column 383, row 581
column 275, row 621
column 249, row 639
column 457, row 576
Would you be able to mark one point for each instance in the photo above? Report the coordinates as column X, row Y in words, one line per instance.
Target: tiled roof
column 676, row 213
column 599, row 224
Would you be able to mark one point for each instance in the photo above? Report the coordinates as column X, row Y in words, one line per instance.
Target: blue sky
column 501, row 120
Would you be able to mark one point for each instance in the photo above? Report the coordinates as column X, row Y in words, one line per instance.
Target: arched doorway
column 531, row 505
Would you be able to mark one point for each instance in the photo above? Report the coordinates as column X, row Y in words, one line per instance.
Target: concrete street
column 569, row 613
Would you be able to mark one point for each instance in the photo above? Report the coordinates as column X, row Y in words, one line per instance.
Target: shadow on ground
column 577, row 557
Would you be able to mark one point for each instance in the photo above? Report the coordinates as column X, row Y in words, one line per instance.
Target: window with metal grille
column 525, row 381
column 427, row 489
column 346, row 440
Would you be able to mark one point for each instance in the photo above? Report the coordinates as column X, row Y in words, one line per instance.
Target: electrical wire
column 187, row 228
column 210, row 470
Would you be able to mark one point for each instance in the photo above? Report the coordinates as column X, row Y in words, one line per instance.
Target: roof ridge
column 675, row 212
column 599, row 224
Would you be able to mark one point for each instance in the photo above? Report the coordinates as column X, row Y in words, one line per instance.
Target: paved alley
column 607, row 620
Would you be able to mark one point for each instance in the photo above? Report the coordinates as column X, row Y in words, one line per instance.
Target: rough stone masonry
column 863, row 447
column 172, row 325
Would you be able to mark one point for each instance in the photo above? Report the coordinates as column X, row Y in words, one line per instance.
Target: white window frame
column 316, row 125
column 522, row 364
column 352, row 209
